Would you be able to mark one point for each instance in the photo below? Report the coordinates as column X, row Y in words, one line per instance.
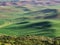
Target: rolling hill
column 18, row 21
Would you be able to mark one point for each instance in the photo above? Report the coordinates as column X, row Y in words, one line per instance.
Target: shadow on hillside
column 49, row 10
column 23, row 8
column 53, row 15
column 43, row 28
column 39, row 25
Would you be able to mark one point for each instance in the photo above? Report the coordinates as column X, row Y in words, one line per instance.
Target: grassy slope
column 31, row 31
column 6, row 27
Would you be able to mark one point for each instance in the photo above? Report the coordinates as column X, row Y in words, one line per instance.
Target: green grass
column 8, row 30
column 11, row 29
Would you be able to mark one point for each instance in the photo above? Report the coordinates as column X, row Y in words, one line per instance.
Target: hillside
column 18, row 21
